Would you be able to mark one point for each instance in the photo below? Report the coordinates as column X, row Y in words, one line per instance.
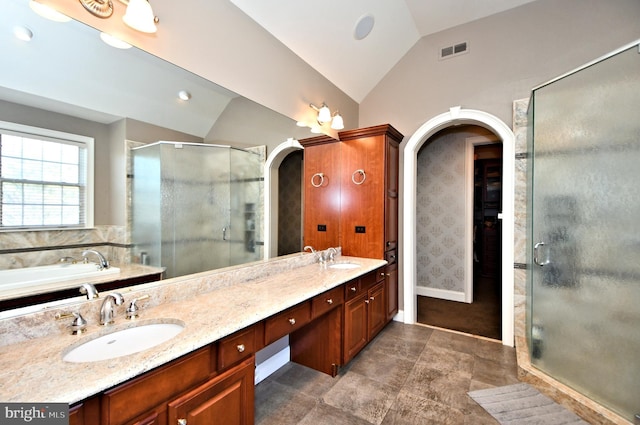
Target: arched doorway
column 271, row 166
column 457, row 116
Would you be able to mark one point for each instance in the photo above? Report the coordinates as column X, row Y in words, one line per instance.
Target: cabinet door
column 391, row 202
column 377, row 310
column 322, row 195
column 225, row 400
column 362, row 215
column 355, row 326
column 391, row 293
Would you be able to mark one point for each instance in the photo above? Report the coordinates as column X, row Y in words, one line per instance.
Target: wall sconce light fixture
column 325, row 116
column 138, row 15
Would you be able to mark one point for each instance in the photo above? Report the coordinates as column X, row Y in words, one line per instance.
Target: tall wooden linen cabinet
column 351, row 197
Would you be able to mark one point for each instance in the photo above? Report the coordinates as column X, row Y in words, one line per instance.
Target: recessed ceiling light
column 363, row 27
column 22, row 33
column 184, row 95
column 114, row 41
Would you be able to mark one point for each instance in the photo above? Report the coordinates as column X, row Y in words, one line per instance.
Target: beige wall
column 509, row 54
column 217, row 41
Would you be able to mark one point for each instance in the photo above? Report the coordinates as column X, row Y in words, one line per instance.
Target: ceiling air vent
column 455, row 50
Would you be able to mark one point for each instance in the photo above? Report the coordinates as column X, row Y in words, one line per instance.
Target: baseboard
column 443, row 294
column 399, row 317
column 272, row 364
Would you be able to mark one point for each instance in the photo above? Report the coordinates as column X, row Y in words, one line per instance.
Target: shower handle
column 536, row 258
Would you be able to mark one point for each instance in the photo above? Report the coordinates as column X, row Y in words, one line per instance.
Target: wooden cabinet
column 226, row 399
column 365, row 312
column 321, row 186
column 358, row 197
column 319, row 344
column 215, row 384
column 369, row 191
column 135, row 401
column 85, row 413
column 391, row 288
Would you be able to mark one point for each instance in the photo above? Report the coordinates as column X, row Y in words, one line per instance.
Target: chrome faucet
column 331, row 254
column 316, row 254
column 106, row 311
column 103, row 264
column 89, row 290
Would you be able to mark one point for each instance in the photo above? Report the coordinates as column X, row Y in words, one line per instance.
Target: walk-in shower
column 195, row 206
column 584, row 201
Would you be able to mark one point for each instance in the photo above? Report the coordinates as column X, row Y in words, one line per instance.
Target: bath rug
column 521, row 404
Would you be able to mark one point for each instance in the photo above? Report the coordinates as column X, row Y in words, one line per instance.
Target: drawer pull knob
column 240, row 348
column 292, row 321
column 353, row 289
column 366, row 301
column 329, row 301
column 372, row 298
column 182, row 422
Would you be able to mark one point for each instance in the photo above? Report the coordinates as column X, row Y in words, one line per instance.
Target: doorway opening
column 459, row 260
column 457, row 116
column 290, row 204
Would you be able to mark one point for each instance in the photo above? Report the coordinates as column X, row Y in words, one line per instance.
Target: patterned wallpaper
column 290, row 204
column 440, row 209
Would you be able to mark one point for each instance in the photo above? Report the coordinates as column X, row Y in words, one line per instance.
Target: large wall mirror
column 67, row 79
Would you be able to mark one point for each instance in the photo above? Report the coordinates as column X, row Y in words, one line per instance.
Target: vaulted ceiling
column 322, row 34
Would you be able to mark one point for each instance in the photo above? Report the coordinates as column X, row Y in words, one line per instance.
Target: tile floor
column 409, row 374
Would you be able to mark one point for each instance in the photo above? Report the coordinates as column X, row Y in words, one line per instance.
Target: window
column 46, row 178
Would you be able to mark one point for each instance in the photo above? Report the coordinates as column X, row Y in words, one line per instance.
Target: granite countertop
column 33, row 370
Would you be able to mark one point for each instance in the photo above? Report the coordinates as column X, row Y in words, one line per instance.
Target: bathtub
column 35, row 276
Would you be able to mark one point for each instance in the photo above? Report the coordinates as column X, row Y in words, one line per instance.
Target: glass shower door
column 199, row 228
column 585, row 278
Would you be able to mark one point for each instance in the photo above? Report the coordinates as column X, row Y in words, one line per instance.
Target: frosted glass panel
column 585, row 290
column 196, row 207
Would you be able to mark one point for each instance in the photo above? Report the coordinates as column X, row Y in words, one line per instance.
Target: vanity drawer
column 352, row 289
column 236, row 347
column 326, row 301
column 370, row 279
column 140, row 395
column 286, row 322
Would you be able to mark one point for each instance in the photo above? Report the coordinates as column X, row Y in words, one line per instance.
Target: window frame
column 88, row 142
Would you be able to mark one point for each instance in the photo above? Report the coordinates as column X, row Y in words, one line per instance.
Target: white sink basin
column 123, row 342
column 344, row 266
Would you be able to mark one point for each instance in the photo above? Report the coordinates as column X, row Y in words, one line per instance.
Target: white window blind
column 45, row 178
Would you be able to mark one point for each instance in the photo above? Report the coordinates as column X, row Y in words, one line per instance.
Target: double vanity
column 190, row 353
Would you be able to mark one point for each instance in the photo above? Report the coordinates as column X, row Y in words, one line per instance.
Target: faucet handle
column 133, row 309
column 78, row 325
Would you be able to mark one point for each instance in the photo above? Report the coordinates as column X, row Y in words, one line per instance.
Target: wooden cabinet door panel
column 355, row 326
column 322, row 203
column 362, row 197
column 225, row 400
column 391, row 281
column 377, row 310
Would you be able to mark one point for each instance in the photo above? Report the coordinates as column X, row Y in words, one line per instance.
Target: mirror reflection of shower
column 196, row 207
